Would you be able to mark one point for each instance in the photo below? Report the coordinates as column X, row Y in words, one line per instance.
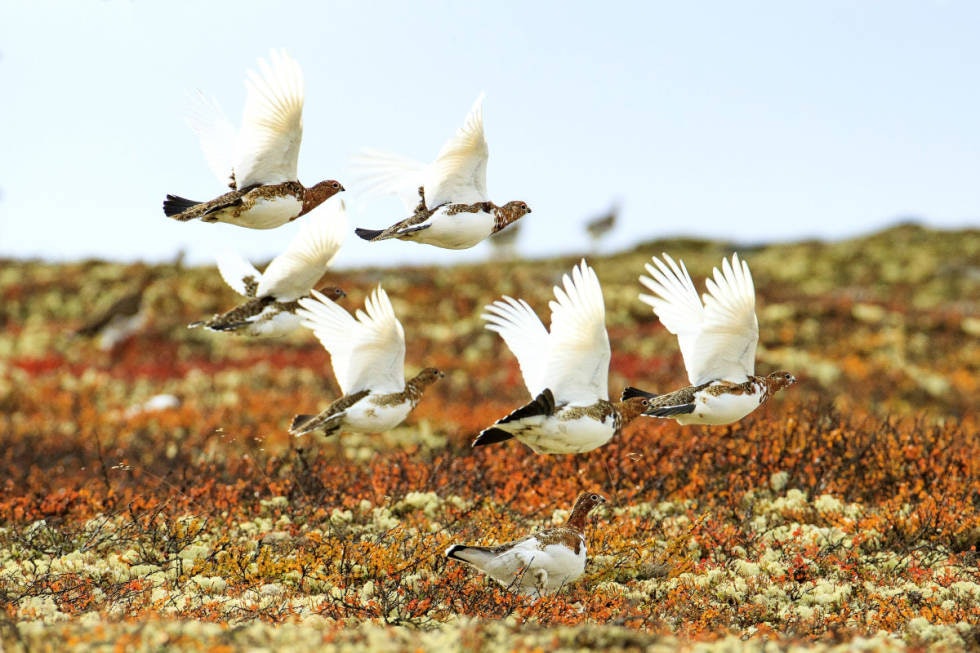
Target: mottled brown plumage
column 126, row 307
column 241, row 315
column 336, row 415
column 236, row 203
column 685, row 400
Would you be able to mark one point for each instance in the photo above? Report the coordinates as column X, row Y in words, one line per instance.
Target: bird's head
column 428, row 376
column 584, row 504
column 320, row 193
column 779, row 380
column 332, row 293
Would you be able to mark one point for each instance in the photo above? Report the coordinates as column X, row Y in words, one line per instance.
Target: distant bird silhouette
column 368, row 359
column 717, row 339
column 566, row 371
column 454, row 210
column 540, row 563
column 600, row 226
column 273, row 294
column 261, row 158
column 120, row 320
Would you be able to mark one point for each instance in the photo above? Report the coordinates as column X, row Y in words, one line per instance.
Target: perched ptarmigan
column 273, row 294
column 368, row 359
column 540, row 563
column 121, row 319
column 717, row 340
column 454, row 210
column 566, row 371
column 261, row 157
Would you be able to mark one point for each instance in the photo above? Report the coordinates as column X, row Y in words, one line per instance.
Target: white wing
column 677, row 304
column 459, row 173
column 367, row 353
column 216, row 133
column 295, row 272
column 272, row 123
column 525, row 336
column 717, row 339
column 578, row 365
column 731, row 329
column 384, row 173
column 234, row 269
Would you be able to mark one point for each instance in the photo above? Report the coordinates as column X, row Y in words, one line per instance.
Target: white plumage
column 717, row 338
column 457, row 175
column 529, row 566
column 265, row 149
column 367, row 352
column 294, row 272
column 573, row 359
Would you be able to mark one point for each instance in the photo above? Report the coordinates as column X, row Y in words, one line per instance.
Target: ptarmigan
column 717, row 340
column 261, row 157
column 538, row 564
column 121, row 319
column 566, row 371
column 454, row 210
column 273, row 294
column 368, row 359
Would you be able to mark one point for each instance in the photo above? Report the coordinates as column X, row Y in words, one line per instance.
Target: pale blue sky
column 753, row 121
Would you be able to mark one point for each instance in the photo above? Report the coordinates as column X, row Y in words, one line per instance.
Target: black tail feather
column 367, row 234
column 668, row 411
column 451, row 551
column 299, row 421
column 175, row 205
column 629, row 392
column 543, row 404
column 491, row 435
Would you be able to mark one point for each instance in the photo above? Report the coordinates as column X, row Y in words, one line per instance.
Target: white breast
column 368, row 417
column 120, row 328
column 459, row 231
column 272, row 323
column 266, row 213
column 561, row 564
column 555, row 435
column 721, row 409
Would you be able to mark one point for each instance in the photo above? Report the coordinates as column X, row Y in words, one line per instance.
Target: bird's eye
column 595, row 497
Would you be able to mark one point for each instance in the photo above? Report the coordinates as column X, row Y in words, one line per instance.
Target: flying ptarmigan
column 538, row 564
column 368, row 359
column 566, row 371
column 454, row 210
column 717, row 340
column 261, row 157
column 273, row 294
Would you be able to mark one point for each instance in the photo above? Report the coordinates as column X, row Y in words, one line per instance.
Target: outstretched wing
column 367, row 353
column 676, row 303
column 239, row 274
column 216, row 133
column 272, row 123
column 731, row 329
column 717, row 342
column 459, row 173
column 383, row 173
column 295, row 272
column 578, row 363
column 526, row 337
